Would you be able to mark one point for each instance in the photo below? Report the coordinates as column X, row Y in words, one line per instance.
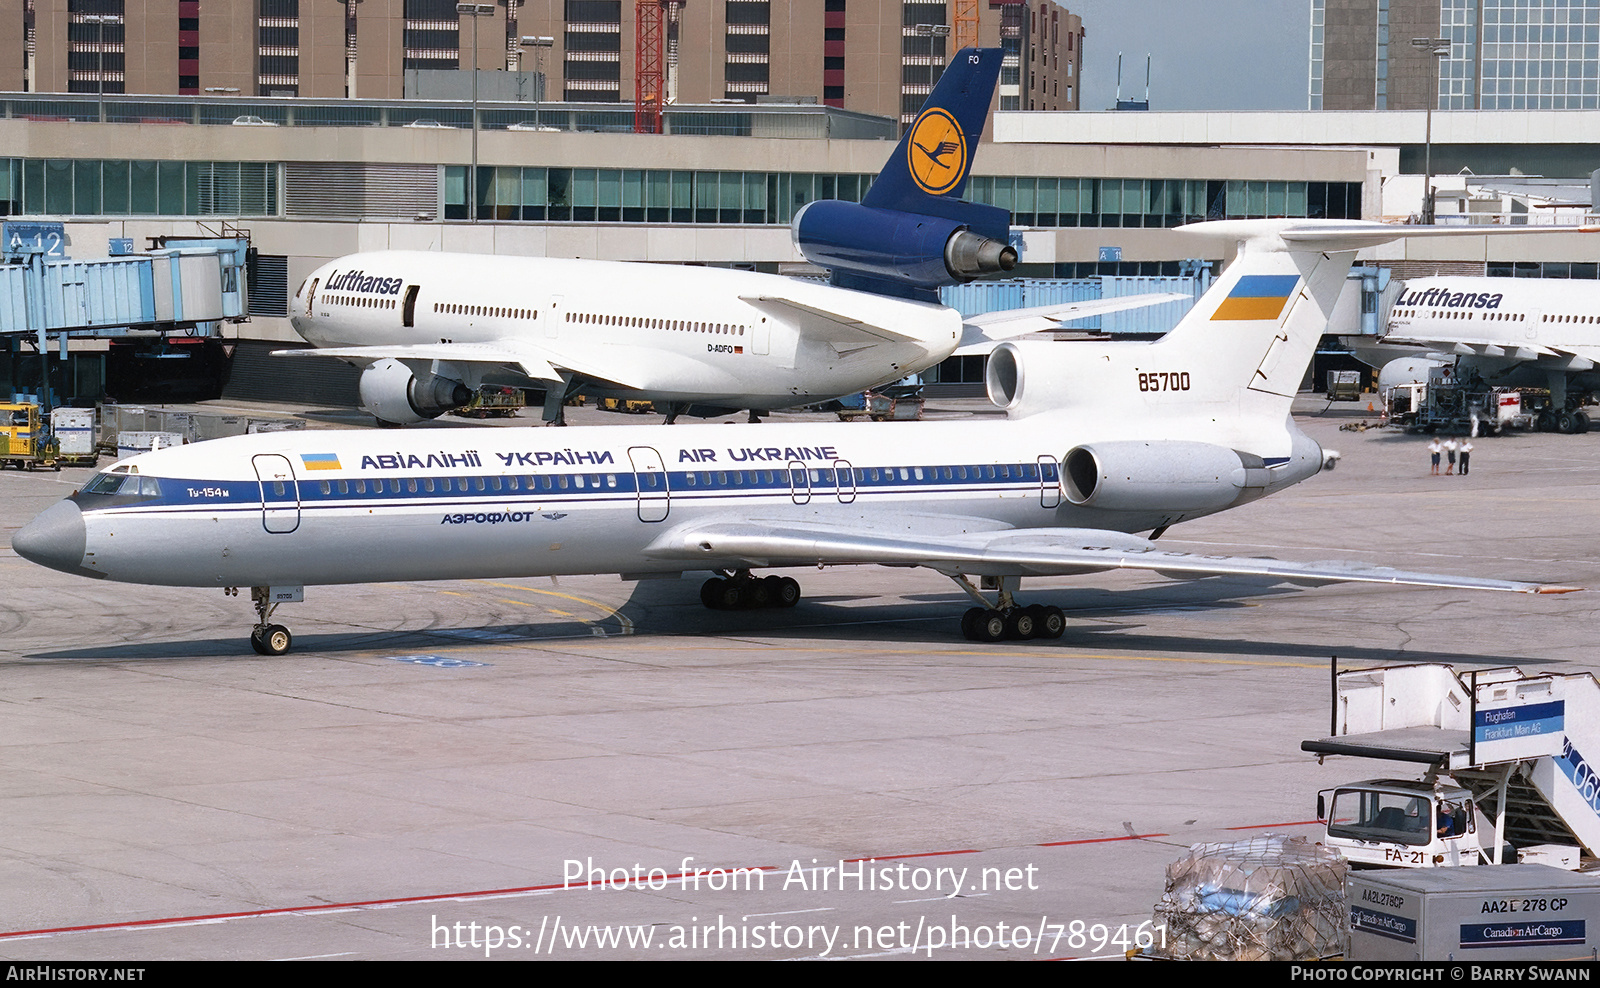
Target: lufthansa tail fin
column 913, row 233
column 935, row 155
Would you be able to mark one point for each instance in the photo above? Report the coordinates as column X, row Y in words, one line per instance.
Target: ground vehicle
column 24, row 442
column 492, row 401
column 1505, row 767
column 1399, row 823
column 1449, row 403
column 1344, row 385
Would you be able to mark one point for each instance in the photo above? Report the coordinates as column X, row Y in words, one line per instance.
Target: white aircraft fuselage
column 1526, row 332
column 635, row 330
column 522, row 502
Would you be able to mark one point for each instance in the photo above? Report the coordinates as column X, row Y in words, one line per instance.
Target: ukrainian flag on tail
column 1257, row 296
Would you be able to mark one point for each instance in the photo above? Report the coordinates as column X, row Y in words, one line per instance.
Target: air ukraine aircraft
column 1512, row 332
column 1101, row 440
column 429, row 328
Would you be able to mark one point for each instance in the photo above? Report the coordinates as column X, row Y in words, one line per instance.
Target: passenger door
column 280, row 495
column 650, row 479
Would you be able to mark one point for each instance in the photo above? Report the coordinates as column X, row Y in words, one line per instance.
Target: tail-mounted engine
column 913, row 250
column 1167, row 476
column 390, row 391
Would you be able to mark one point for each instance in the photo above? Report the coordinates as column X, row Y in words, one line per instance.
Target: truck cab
column 1399, row 823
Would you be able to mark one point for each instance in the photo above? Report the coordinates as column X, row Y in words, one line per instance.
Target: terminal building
column 1091, row 194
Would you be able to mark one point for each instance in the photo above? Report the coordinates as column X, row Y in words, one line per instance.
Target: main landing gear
column 741, row 591
column 1007, row 620
column 265, row 638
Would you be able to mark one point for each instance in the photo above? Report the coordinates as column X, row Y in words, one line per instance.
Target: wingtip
column 1557, row 589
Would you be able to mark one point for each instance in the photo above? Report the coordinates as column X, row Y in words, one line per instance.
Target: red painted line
column 1263, row 826
column 330, row 907
column 924, row 854
column 1100, row 840
column 327, row 907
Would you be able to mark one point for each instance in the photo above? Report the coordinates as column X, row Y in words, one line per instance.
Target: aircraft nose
column 55, row 538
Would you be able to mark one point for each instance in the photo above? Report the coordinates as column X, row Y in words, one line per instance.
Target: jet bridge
column 1516, row 740
column 182, row 285
column 187, row 286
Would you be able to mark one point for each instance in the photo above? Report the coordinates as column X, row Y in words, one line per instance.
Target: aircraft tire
column 991, row 627
column 969, row 623
column 1039, row 613
column 1580, row 421
column 730, row 596
column 1054, row 622
column 788, row 593
column 256, row 643
column 276, row 640
column 709, row 591
column 1019, row 624
column 757, row 594
column 1565, row 424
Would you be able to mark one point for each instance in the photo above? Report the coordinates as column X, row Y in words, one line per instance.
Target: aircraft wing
column 982, row 332
column 530, row 360
column 1483, row 346
column 1472, row 346
column 1025, row 552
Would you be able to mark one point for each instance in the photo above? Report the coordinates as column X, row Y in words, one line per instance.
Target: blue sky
column 1208, row 54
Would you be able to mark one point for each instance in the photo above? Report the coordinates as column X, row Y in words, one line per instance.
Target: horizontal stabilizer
column 1021, row 552
column 982, row 332
column 1342, row 235
column 831, row 327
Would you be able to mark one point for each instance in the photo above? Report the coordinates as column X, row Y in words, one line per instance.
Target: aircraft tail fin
column 934, row 157
column 1258, row 326
column 912, row 232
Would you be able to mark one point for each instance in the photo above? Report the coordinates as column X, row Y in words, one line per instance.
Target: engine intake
column 390, row 391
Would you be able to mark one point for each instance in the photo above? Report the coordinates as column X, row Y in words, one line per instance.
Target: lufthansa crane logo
column 937, row 152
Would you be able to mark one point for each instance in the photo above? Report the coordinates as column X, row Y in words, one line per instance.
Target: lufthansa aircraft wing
column 518, row 356
column 1032, row 552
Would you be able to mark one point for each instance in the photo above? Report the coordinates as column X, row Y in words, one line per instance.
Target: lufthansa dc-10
column 1102, row 440
column 427, row 328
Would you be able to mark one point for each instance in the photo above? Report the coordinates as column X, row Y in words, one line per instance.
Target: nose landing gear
column 266, row 638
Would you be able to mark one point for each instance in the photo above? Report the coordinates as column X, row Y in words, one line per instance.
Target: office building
column 872, row 56
column 1504, row 55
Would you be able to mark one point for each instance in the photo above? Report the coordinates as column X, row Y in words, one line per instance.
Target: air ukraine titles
column 445, row 460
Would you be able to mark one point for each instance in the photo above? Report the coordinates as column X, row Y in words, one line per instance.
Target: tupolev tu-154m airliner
column 427, row 328
column 1102, row 440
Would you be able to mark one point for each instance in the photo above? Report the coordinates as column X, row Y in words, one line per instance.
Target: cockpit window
column 123, row 484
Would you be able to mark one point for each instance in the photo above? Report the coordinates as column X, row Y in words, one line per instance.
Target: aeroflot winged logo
column 937, row 151
column 1257, row 296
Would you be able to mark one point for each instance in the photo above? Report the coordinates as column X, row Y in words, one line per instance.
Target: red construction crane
column 649, row 66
